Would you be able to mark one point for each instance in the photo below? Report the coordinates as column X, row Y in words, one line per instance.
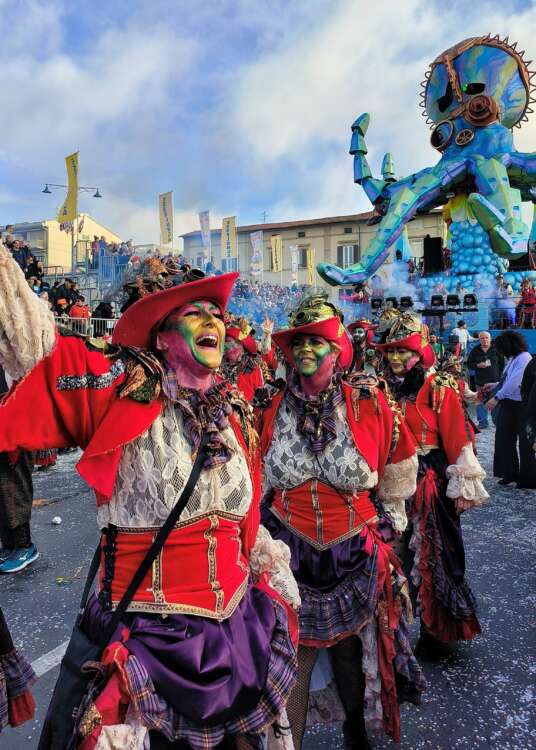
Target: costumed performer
column 16, row 677
column 204, row 657
column 330, row 442
column 241, row 364
column 449, row 483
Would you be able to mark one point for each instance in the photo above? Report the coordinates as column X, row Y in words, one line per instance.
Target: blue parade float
column 473, row 95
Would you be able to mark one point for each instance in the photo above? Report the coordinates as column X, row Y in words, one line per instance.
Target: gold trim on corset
column 286, row 505
column 212, row 566
column 314, row 542
column 157, row 580
column 186, row 609
column 181, row 524
column 318, row 511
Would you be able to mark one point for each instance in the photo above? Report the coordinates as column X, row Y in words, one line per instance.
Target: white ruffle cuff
column 273, row 557
column 27, row 328
column 465, row 480
column 398, row 483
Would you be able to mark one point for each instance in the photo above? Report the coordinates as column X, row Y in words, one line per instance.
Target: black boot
column 354, row 731
column 430, row 648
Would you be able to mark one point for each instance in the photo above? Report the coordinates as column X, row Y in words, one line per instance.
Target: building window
column 302, row 256
column 347, row 230
column 229, row 265
column 347, row 255
column 301, row 234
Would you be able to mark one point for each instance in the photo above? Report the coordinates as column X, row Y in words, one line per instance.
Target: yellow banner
column 310, row 265
column 69, row 210
column 277, row 252
column 228, row 237
column 165, row 202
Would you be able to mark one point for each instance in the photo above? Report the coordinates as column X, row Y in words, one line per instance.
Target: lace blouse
column 290, row 462
column 154, row 469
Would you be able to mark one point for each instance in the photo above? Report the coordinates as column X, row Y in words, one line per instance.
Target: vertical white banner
column 206, row 241
column 257, row 254
column 293, row 263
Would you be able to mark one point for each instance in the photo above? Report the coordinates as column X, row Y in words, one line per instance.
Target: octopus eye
column 474, row 88
column 442, row 135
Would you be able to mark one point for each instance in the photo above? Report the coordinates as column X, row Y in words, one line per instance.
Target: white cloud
column 296, row 103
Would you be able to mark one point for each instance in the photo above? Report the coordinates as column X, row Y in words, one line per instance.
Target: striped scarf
column 316, row 417
column 203, row 412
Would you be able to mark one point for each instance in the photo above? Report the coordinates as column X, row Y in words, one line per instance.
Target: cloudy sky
column 238, row 106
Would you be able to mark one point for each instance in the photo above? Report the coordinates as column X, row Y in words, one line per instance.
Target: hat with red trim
column 407, row 331
column 316, row 316
column 135, row 326
column 247, row 341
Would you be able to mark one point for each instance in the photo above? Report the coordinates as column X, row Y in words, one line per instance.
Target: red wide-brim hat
column 248, row 342
column 366, row 325
column 414, row 344
column 135, row 326
column 330, row 329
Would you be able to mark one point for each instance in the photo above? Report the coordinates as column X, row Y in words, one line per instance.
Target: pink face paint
column 192, row 339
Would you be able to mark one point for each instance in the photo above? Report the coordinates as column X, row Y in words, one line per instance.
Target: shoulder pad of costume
column 67, row 333
column 444, row 380
column 102, row 346
column 361, row 380
column 264, row 396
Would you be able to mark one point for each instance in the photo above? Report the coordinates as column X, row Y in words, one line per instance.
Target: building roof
column 289, row 224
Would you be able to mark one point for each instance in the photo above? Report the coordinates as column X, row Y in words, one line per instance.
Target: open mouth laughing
column 207, row 341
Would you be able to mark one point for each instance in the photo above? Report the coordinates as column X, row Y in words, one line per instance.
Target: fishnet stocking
column 299, row 697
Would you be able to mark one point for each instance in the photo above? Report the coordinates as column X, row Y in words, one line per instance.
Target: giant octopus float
column 473, row 95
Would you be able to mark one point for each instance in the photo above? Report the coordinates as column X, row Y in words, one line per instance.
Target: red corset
column 200, row 570
column 420, row 422
column 322, row 516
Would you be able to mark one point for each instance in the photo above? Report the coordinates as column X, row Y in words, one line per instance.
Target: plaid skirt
column 16, row 677
column 338, row 586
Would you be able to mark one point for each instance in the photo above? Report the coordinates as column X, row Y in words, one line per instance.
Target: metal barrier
column 92, row 327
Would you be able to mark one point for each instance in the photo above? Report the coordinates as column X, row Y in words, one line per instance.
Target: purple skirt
column 199, row 679
column 338, row 586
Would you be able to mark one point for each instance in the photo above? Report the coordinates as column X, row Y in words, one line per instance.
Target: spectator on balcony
column 100, row 316
column 21, row 253
column 94, row 252
column 61, row 307
column 79, row 309
column 35, row 268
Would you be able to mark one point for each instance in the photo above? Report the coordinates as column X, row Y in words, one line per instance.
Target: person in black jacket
column 527, row 474
column 487, row 364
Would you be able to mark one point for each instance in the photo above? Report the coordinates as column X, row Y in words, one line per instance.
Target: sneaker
column 19, row 559
column 5, row 553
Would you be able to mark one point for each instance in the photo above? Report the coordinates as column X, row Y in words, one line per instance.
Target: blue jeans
column 482, row 414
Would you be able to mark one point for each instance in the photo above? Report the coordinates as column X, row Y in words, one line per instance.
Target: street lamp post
column 81, row 189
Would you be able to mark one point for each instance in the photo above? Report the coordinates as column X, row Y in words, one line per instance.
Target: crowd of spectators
column 118, row 253
column 257, row 300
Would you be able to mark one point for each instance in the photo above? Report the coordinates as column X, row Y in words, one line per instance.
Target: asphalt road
column 482, row 696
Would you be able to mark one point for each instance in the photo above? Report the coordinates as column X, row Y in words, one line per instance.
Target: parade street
column 482, row 696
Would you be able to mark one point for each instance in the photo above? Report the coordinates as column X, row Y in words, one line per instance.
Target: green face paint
column 309, row 353
column 201, row 335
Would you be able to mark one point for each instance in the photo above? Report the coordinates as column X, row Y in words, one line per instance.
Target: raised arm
column 27, row 329
column 62, row 389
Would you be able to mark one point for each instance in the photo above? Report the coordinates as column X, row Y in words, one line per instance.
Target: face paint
column 401, row 360
column 194, row 333
column 233, row 350
column 310, row 353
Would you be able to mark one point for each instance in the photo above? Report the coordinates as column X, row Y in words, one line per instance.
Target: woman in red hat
column 241, row 363
column 336, row 458
column 205, row 657
column 449, row 482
